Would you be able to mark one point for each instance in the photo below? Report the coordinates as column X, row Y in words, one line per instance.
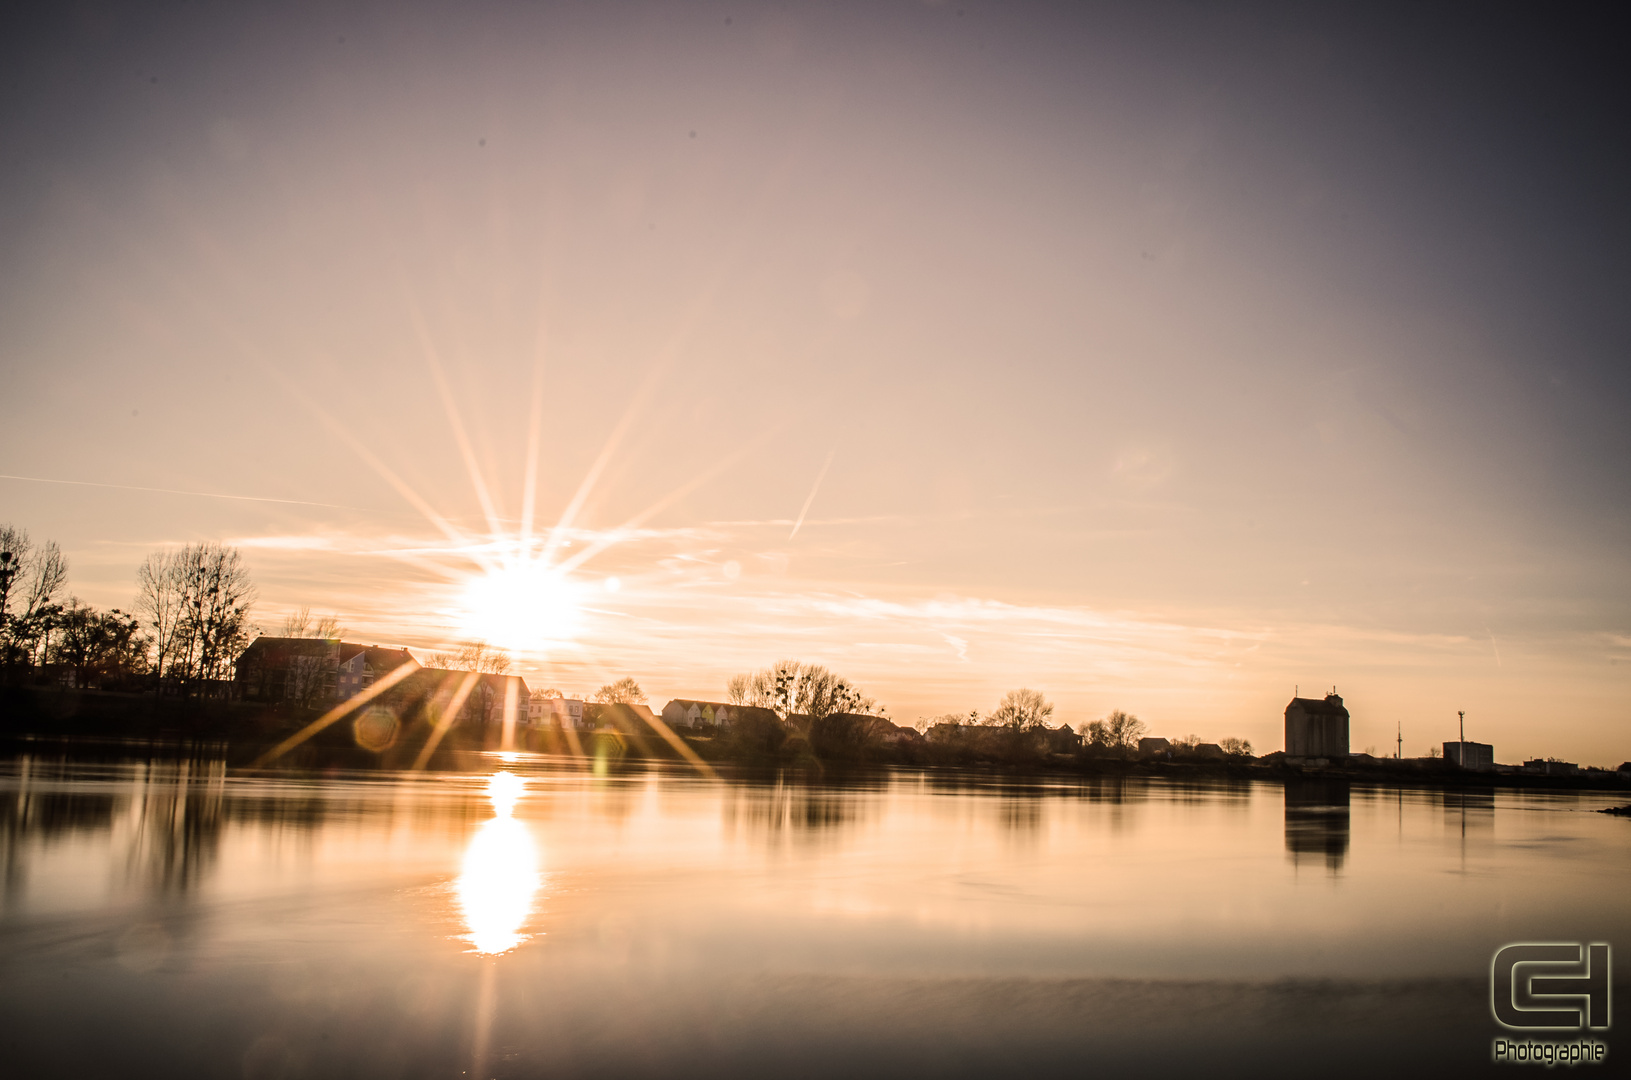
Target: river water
column 529, row 917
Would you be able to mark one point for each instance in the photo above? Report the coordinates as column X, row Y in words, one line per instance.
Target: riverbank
column 96, row 724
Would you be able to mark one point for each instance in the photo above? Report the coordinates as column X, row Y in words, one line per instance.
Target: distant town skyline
column 1157, row 359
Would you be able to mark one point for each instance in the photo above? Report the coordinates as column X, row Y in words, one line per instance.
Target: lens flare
column 500, row 873
column 520, row 606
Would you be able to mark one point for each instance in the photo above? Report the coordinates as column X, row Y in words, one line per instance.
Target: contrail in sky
column 822, row 475
column 173, row 491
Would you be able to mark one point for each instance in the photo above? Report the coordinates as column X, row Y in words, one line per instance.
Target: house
column 312, row 671
column 866, row 727
column 1062, row 740
column 685, row 712
column 1210, row 751
column 1154, row 747
column 1475, row 756
column 1316, row 728
column 555, row 712
column 478, row 697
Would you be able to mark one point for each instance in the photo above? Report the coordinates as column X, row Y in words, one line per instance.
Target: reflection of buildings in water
column 176, row 813
column 1317, row 820
column 1115, row 790
column 1121, row 795
column 500, row 873
column 1472, row 809
column 1470, row 815
column 33, row 814
column 165, row 816
column 1022, row 816
column 791, row 811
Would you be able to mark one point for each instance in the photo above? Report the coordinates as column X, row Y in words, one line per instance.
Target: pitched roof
column 264, row 643
column 378, row 656
column 430, row 679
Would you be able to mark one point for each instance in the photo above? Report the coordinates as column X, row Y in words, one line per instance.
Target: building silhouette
column 312, row 671
column 1317, row 821
column 1316, row 729
column 1475, row 756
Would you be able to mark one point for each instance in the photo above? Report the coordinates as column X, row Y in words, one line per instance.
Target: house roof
column 379, row 656
column 1330, row 705
column 291, row 644
column 430, row 680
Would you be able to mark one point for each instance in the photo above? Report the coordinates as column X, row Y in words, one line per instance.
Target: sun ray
column 592, row 477
column 608, row 538
column 449, row 716
column 400, row 486
column 665, row 358
column 682, row 747
column 507, row 742
column 340, row 711
column 460, row 436
column 535, row 433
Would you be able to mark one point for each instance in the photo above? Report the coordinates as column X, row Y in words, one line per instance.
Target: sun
column 520, row 606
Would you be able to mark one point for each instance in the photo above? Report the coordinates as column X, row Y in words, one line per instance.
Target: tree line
column 1023, row 712
column 189, row 621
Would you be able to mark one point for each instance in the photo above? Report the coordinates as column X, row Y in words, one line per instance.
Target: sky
column 1165, row 357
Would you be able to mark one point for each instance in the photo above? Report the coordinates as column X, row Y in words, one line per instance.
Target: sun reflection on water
column 500, row 873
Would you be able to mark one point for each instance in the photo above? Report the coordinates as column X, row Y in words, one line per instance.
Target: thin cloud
column 191, row 494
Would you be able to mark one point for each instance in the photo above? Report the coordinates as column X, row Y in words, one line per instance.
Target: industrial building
column 1475, row 756
column 1316, row 728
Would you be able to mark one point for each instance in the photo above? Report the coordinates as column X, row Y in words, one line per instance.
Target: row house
column 687, row 713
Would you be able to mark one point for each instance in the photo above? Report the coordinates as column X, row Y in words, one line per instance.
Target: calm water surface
column 528, row 919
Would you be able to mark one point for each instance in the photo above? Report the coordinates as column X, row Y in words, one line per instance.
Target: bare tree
column 624, row 691
column 1118, row 731
column 159, row 591
column 14, row 548
column 296, row 623
column 740, row 690
column 790, row 687
column 197, row 601
column 30, row 579
column 1235, row 747
column 476, row 656
column 1024, row 710
column 299, row 624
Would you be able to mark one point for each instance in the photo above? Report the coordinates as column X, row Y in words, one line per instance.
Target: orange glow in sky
column 522, row 606
column 956, row 351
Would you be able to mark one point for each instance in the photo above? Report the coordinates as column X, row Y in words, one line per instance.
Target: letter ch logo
column 1545, row 986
